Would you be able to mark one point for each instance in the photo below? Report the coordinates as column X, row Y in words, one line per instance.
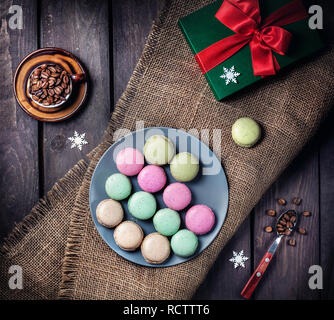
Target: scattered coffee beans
column 302, row 230
column 49, row 84
column 292, row 242
column 307, row 213
column 268, row 229
column 281, row 201
column 271, row 213
column 288, row 220
column 297, row 201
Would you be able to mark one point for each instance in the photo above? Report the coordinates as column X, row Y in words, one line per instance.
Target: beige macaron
column 128, row 235
column 155, row 248
column 109, row 213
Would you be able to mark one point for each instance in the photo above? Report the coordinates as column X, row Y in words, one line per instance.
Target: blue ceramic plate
column 209, row 188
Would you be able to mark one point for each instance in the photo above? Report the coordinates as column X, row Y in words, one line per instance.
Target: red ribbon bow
column 264, row 37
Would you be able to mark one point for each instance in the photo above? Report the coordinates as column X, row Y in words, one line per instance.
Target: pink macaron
column 177, row 196
column 129, row 161
column 200, row 219
column 152, row 178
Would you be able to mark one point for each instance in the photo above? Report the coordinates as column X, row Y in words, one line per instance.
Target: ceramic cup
column 74, row 78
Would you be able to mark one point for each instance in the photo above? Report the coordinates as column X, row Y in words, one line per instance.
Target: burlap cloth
column 57, row 246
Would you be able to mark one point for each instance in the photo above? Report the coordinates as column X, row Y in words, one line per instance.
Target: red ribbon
column 264, row 37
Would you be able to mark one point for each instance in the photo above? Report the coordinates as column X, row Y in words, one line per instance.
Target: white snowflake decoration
column 238, row 259
column 78, row 140
column 230, row 75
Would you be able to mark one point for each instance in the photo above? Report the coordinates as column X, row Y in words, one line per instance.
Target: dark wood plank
column 81, row 27
column 287, row 276
column 326, row 159
column 326, row 207
column 132, row 21
column 19, row 187
column 223, row 281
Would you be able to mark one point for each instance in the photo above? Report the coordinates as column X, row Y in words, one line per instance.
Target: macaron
column 184, row 243
column 128, row 235
column 184, row 166
column 246, row 132
column 142, row 205
column 109, row 213
column 167, row 221
column 118, row 186
column 200, row 219
column 152, row 178
column 155, row 248
column 159, row 150
column 129, row 161
column 177, row 196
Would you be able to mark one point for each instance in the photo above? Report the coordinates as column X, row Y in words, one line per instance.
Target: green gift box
column 202, row 29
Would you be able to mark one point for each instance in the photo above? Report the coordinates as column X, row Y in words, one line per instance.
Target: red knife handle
column 254, row 280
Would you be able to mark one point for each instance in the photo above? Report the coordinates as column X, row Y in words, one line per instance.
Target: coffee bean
column 45, row 85
column 268, row 229
column 271, row 213
column 297, row 201
column 43, row 66
column 293, row 219
column 282, row 222
column 302, row 230
column 292, row 242
column 52, row 69
column 289, row 225
column 58, row 90
column 34, row 88
column 281, row 201
column 64, row 85
column 66, row 79
column 307, row 213
column 51, row 92
column 44, row 75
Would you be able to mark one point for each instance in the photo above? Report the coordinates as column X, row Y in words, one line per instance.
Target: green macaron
column 167, row 221
column 158, row 150
column 184, row 243
column 142, row 205
column 246, row 132
column 184, row 167
column 118, row 186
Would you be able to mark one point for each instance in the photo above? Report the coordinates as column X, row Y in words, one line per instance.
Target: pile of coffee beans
column 288, row 220
column 49, row 84
column 286, row 223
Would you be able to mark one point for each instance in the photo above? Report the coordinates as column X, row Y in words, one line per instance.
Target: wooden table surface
column 108, row 38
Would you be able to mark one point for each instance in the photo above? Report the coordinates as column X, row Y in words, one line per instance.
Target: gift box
column 239, row 42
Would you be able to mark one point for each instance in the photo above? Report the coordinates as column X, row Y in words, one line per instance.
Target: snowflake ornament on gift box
column 78, row 140
column 238, row 259
column 230, row 75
